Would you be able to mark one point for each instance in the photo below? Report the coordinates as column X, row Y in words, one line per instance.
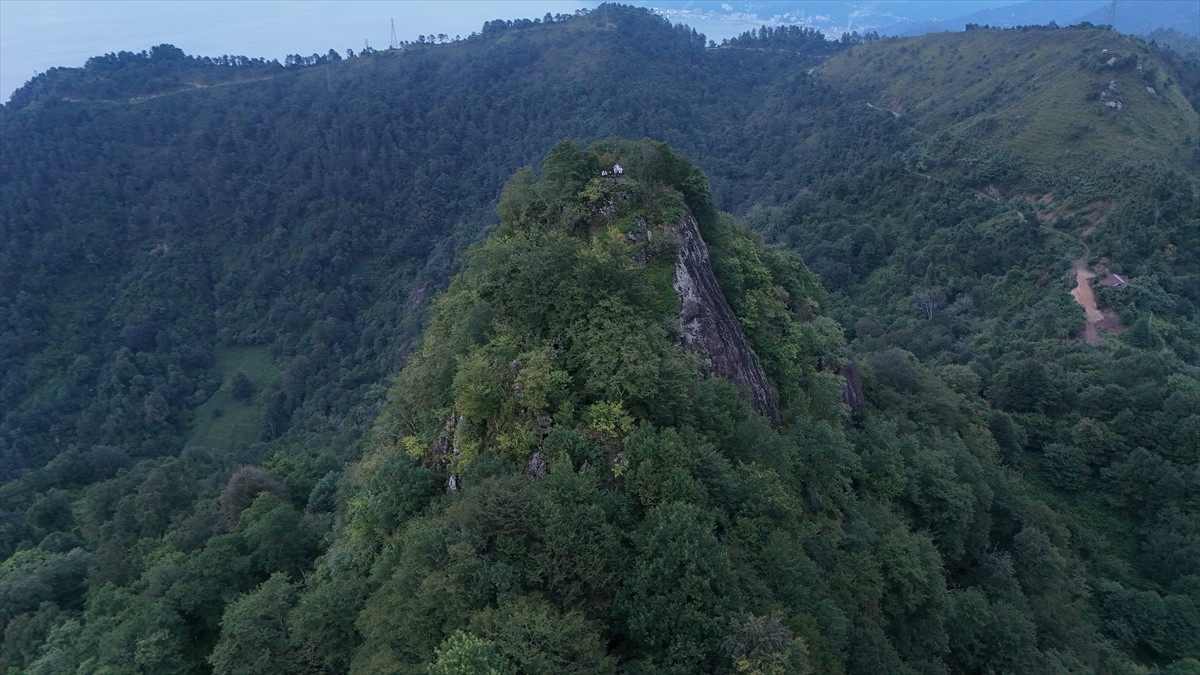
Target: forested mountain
column 250, row 424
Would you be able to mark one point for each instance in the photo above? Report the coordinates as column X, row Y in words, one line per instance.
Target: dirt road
column 1084, row 296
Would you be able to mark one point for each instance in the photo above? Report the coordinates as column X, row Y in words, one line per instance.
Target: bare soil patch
column 1087, row 299
column 1097, row 321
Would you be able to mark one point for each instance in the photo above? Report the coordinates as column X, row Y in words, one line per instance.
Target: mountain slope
column 204, row 293
column 1064, row 100
column 340, row 190
column 593, row 485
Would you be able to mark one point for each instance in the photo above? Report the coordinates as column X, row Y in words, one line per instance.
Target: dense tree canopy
column 211, row 268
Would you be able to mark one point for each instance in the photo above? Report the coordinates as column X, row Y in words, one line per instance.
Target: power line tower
column 394, row 43
column 1112, row 12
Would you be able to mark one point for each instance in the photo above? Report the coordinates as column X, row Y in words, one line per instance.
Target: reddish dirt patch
column 1087, row 299
column 1096, row 321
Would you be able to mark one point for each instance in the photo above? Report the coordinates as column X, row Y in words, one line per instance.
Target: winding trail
column 191, row 86
column 1082, row 293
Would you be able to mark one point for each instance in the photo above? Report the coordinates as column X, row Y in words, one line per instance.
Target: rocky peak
column 709, row 326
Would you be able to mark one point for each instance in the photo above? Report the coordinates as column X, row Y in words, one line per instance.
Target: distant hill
column 1135, row 17
column 1034, row 13
column 1067, row 100
column 1141, row 18
column 721, row 19
column 131, row 77
column 1184, row 45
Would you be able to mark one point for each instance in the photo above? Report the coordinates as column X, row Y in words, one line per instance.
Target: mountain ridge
column 204, row 295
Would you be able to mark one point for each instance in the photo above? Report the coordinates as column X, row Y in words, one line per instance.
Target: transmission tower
column 1112, row 12
column 395, row 43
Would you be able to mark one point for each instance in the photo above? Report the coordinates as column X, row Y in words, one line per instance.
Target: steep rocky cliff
column 709, row 326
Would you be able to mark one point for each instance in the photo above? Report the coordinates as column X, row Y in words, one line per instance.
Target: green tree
column 1065, row 466
column 466, row 654
column 60, row 653
column 1027, row 385
column 538, row 640
column 679, row 592
column 277, row 537
column 322, row 622
column 241, row 388
column 254, row 630
column 243, row 487
column 762, row 645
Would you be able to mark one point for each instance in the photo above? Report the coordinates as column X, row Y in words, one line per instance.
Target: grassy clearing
column 221, row 421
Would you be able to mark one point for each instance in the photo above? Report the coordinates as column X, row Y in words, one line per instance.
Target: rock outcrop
column 852, row 393
column 709, row 326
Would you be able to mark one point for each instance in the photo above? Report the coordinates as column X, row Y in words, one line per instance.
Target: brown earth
column 1097, row 321
column 1084, row 296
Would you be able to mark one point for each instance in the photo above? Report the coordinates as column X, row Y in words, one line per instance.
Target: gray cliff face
column 852, row 393
column 709, row 325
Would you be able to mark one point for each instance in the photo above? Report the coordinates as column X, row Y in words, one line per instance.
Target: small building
column 1115, row 281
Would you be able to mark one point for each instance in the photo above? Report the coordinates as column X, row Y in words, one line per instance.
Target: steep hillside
column 1061, row 102
column 210, row 271
column 310, row 212
column 560, row 483
column 1021, row 166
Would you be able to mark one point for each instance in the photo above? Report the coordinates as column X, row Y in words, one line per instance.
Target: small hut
column 1115, row 281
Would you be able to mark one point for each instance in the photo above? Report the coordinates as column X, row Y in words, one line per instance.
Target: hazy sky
column 38, row 35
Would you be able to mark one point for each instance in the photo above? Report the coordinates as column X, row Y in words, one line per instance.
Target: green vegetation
column 1047, row 96
column 232, row 416
column 126, row 77
column 304, row 373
